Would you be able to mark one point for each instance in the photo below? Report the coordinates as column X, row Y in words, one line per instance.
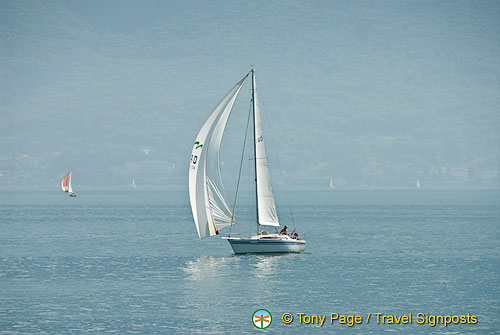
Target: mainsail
column 70, row 188
column 266, row 206
column 206, row 191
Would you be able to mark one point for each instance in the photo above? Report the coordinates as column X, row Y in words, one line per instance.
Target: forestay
column 206, row 190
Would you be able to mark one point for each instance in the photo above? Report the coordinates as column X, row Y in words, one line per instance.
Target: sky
column 126, row 17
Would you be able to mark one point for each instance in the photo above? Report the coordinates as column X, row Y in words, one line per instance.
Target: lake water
column 131, row 262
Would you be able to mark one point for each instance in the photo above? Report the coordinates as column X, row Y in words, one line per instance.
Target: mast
column 255, row 150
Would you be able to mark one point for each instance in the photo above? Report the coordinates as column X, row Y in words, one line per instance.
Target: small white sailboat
column 210, row 210
column 133, row 185
column 418, row 184
column 66, row 185
column 331, row 183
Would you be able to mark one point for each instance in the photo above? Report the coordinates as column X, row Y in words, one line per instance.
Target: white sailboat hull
column 266, row 244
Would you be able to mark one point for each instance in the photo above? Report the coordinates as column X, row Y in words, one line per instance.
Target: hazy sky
column 127, row 16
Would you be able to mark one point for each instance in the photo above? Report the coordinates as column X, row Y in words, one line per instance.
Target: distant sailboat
column 418, row 184
column 66, row 185
column 210, row 210
column 331, row 183
column 133, row 185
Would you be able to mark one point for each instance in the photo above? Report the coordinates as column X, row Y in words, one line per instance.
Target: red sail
column 64, row 183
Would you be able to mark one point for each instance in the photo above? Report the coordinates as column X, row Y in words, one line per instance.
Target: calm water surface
column 131, row 262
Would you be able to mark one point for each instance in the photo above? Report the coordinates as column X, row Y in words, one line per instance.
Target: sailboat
column 66, row 185
column 331, row 183
column 418, row 184
column 211, row 211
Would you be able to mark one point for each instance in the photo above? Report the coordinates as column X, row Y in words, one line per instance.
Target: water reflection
column 270, row 264
column 215, row 268
column 208, row 267
column 264, row 267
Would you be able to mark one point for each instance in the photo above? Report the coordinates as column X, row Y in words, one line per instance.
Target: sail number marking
column 260, row 139
column 194, row 158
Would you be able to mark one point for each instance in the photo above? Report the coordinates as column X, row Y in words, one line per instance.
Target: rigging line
column 239, row 173
column 273, row 148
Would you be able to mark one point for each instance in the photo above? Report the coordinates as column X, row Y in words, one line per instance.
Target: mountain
column 373, row 94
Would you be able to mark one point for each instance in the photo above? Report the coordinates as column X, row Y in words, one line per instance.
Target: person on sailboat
column 283, row 231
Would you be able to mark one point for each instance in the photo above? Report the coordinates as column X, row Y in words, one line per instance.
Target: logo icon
column 262, row 318
column 198, row 145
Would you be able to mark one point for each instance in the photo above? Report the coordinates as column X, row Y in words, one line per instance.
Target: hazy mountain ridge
column 374, row 96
